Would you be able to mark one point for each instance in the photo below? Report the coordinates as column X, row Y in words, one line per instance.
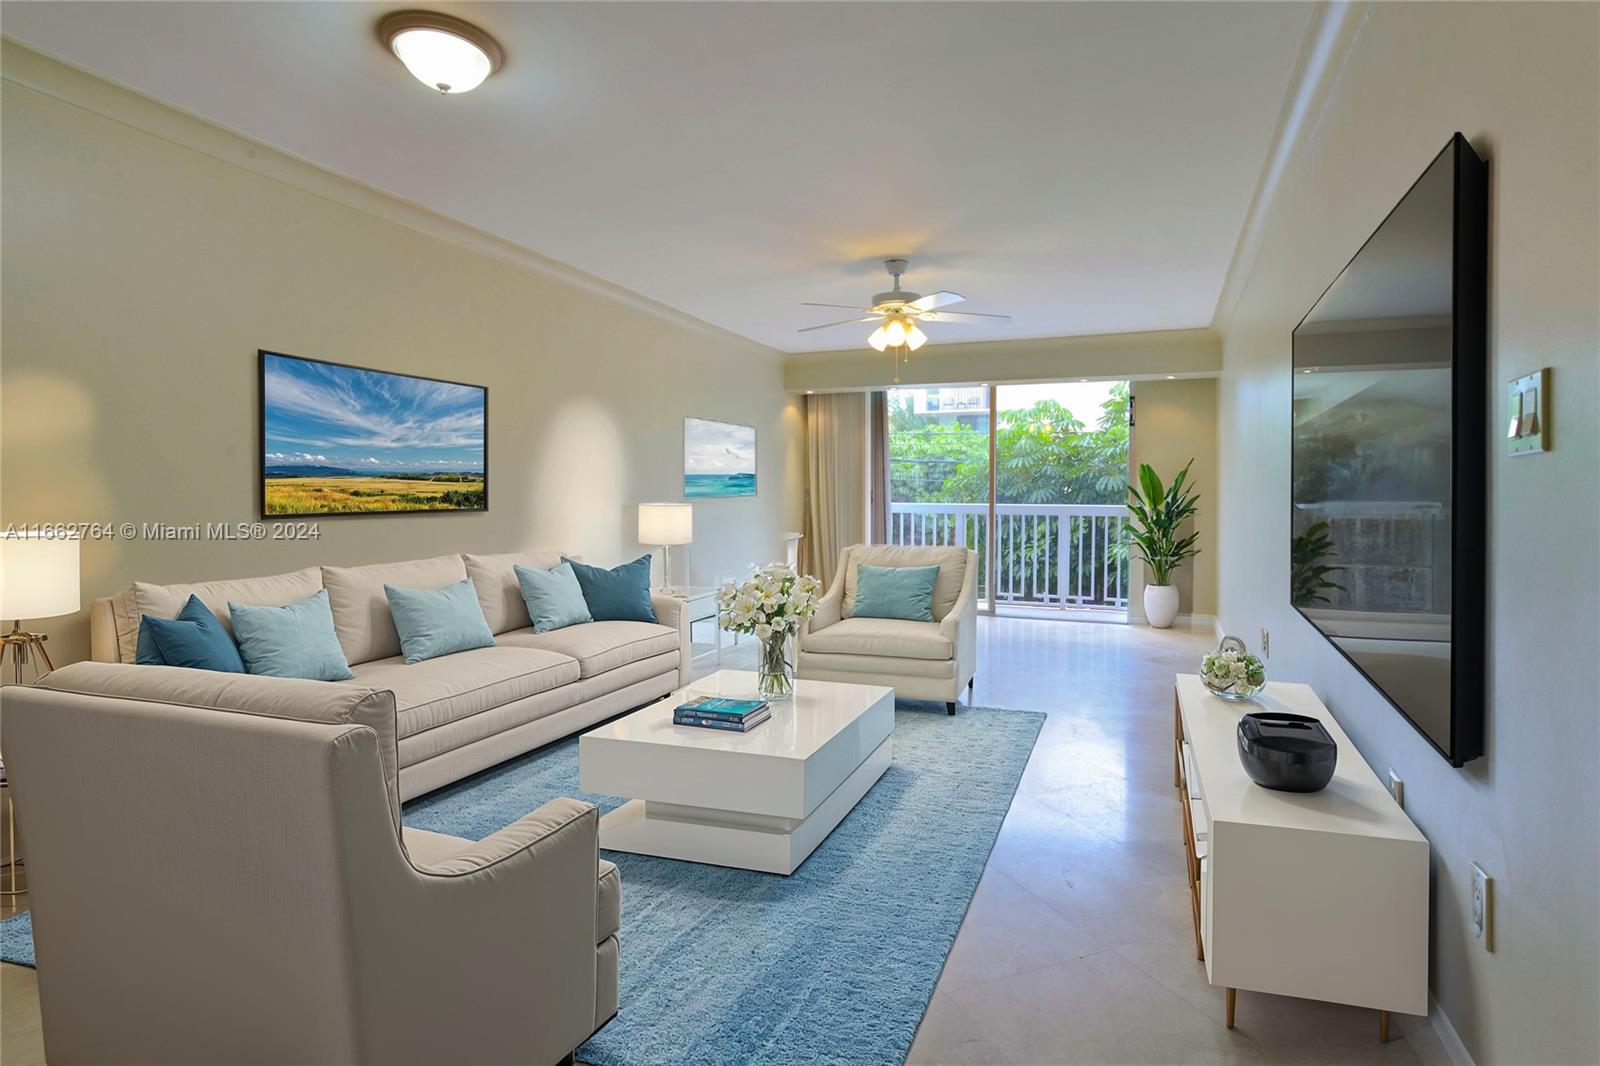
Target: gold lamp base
column 23, row 647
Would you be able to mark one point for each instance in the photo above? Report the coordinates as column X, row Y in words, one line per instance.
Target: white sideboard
column 1320, row 895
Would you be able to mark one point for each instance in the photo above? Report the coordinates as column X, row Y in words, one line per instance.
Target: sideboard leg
column 1233, row 994
column 949, row 707
column 1383, row 1027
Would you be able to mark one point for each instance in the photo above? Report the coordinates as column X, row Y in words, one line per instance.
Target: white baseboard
column 1447, row 1034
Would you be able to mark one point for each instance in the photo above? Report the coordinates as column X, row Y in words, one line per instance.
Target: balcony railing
column 1048, row 554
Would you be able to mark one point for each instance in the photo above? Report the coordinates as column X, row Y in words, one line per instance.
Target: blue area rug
column 833, row 964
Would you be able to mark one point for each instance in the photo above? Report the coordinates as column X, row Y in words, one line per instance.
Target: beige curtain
column 878, row 468
column 836, row 479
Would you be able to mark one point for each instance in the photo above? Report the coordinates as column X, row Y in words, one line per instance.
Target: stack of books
column 722, row 712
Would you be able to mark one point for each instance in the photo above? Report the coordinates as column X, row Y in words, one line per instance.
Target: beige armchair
column 219, row 875
column 922, row 660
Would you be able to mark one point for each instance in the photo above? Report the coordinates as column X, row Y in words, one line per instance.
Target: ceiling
column 1085, row 168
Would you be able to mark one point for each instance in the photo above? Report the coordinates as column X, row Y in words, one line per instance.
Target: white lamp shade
column 666, row 523
column 38, row 576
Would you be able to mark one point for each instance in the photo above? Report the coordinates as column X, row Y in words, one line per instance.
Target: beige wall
column 142, row 270
column 1175, row 421
column 945, row 361
column 1521, row 82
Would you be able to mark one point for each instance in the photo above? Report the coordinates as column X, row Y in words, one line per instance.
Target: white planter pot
column 1160, row 605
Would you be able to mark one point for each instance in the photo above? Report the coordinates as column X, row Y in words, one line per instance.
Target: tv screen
column 1388, row 450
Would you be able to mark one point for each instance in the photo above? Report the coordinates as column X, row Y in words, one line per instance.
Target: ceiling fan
column 897, row 313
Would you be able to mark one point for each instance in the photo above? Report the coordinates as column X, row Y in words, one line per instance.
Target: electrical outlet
column 1266, row 643
column 1397, row 788
column 1483, row 907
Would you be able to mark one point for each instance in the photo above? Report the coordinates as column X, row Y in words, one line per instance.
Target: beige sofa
column 922, row 660
column 218, row 874
column 460, row 713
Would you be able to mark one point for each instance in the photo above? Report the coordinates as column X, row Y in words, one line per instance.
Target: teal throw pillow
column 554, row 597
column 435, row 622
column 296, row 640
column 894, row 592
column 194, row 639
column 618, row 595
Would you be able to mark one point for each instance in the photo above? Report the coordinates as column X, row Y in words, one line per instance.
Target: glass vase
column 775, row 674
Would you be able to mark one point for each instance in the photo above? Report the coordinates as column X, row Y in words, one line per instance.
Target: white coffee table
column 761, row 800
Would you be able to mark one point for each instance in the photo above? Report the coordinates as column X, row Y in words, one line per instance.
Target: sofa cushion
column 895, row 592
column 608, row 905
column 498, row 592
column 435, row 622
column 295, row 640
column 951, row 560
column 599, row 646
column 621, row 594
column 276, row 697
column 165, row 601
column 361, row 609
column 194, row 639
column 891, row 637
column 554, row 597
column 438, row 691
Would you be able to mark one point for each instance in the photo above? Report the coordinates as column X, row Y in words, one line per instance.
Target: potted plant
column 1157, row 513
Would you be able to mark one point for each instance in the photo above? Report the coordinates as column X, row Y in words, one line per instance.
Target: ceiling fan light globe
column 915, row 338
column 894, row 332
column 878, row 339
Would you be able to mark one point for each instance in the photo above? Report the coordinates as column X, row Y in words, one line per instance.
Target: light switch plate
column 1528, row 414
column 1397, row 788
column 1266, row 643
column 1483, row 907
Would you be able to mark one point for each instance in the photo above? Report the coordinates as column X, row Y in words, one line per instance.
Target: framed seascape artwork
column 344, row 440
column 719, row 459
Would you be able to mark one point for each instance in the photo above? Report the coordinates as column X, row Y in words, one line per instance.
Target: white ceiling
column 1083, row 167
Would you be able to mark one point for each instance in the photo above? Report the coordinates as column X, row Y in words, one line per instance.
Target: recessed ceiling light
column 1172, row 377
column 441, row 51
column 1083, row 379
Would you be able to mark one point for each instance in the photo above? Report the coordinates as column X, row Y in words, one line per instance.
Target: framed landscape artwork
column 719, row 459
column 343, row 440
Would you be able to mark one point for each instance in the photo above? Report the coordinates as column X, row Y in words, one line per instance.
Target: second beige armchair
column 922, row 660
column 219, row 875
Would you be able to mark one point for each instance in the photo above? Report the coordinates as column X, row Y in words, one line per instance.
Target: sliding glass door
column 939, row 472
column 1035, row 472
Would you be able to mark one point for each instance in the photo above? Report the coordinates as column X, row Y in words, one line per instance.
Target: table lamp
column 38, row 579
column 666, row 524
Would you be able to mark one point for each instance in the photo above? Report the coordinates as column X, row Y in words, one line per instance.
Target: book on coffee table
column 722, row 712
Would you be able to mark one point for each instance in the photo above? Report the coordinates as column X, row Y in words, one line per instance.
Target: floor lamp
column 38, row 579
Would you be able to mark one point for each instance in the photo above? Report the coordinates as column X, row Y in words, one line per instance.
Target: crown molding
column 23, row 66
column 1329, row 41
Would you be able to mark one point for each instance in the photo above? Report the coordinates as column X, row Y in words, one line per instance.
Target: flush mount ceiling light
column 441, row 51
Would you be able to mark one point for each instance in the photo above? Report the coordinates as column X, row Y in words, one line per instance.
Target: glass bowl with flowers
column 1232, row 672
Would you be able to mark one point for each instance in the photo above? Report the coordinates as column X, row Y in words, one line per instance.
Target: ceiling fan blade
column 935, row 300
column 846, row 307
column 961, row 317
column 842, row 322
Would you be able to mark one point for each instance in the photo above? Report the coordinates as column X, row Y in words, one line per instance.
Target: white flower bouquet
column 1232, row 672
column 770, row 606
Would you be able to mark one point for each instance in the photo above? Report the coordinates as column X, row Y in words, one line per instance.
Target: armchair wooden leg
column 1233, row 994
column 1383, row 1027
column 950, row 707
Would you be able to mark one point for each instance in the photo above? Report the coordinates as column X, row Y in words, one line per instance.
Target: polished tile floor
column 1077, row 947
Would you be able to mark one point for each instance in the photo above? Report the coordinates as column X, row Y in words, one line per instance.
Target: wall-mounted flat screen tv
column 1389, row 443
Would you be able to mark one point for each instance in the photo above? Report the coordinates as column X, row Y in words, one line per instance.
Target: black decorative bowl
column 1286, row 752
